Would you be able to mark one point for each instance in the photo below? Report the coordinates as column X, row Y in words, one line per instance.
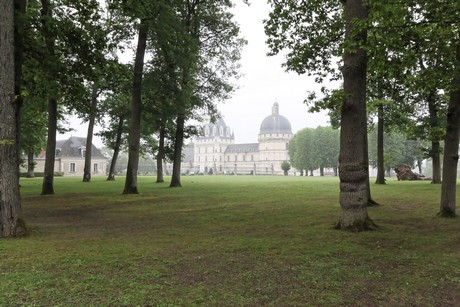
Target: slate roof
column 71, row 148
column 242, row 148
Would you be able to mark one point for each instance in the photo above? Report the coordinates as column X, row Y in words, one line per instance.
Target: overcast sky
column 264, row 81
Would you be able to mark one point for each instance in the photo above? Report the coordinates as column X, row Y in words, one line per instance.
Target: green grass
column 228, row 241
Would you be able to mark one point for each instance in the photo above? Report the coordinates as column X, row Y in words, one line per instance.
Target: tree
column 353, row 163
column 449, row 174
column 301, row 150
column 32, row 130
column 285, row 166
column 50, row 37
column 326, row 148
column 11, row 219
column 134, row 133
column 206, row 65
column 115, row 107
column 394, row 152
column 313, row 42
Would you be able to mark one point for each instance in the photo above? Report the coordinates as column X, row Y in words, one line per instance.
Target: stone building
column 215, row 151
column 70, row 158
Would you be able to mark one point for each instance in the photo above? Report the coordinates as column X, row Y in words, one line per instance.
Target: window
column 95, row 168
column 72, row 167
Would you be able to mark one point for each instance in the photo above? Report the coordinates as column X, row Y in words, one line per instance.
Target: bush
column 41, row 174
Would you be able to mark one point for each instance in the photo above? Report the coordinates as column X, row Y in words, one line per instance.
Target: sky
column 264, row 81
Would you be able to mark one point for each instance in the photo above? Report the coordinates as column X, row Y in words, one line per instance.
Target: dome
column 275, row 123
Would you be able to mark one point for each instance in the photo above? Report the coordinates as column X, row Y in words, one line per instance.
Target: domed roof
column 275, row 123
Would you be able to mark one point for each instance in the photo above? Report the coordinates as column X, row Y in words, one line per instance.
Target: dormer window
column 83, row 151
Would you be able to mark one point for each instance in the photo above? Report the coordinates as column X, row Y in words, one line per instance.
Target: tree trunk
column 419, row 165
column 30, row 165
column 19, row 18
column 435, row 146
column 46, row 20
column 11, row 220
column 451, row 142
column 136, row 104
column 161, row 155
column 335, row 171
column 178, row 142
column 380, row 156
column 89, row 135
column 311, row 173
column 116, row 150
column 48, row 178
column 321, row 171
column 388, row 171
column 353, row 165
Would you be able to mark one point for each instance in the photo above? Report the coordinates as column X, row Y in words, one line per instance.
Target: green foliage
column 41, row 174
column 311, row 148
column 285, row 166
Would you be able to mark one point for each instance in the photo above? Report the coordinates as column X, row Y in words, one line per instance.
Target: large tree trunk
column 178, row 142
column 19, row 16
column 435, row 146
column 451, row 142
column 11, row 221
column 136, row 104
column 116, row 150
column 353, row 165
column 380, row 156
column 161, row 155
column 321, row 171
column 48, row 178
column 30, row 165
column 89, row 135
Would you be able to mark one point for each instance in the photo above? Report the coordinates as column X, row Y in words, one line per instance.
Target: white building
column 70, row 158
column 215, row 150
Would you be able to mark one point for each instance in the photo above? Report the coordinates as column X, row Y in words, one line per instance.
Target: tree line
column 313, row 149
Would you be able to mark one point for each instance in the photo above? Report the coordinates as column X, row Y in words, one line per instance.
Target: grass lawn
column 228, row 241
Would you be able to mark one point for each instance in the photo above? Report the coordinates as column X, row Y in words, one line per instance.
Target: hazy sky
column 264, row 81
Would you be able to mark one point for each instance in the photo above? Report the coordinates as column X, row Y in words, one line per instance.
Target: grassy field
column 229, row 241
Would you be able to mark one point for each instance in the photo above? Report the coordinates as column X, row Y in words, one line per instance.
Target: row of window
column 211, row 149
column 73, row 167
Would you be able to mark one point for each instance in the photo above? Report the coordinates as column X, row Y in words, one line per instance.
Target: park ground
column 228, row 241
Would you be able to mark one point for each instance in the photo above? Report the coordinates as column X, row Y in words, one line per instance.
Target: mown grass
column 229, row 241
